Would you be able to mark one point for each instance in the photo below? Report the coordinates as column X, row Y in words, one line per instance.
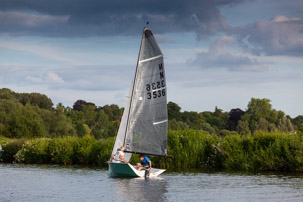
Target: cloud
column 18, row 23
column 77, row 18
column 81, row 78
column 218, row 56
column 30, row 20
column 34, row 79
column 164, row 39
column 279, row 36
column 54, row 78
column 45, row 51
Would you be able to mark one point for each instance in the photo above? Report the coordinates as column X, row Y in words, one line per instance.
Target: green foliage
column 7, row 94
column 192, row 149
column 243, row 128
column 177, row 125
column 265, row 139
column 35, row 99
column 61, row 150
column 237, row 152
column 66, row 150
column 263, row 151
column 83, row 150
column 25, row 122
column 173, row 111
column 34, row 151
column 11, row 147
column 30, row 115
column 18, row 121
column 103, row 151
column 261, row 117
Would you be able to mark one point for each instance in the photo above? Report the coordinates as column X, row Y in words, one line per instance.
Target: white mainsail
column 146, row 130
column 143, row 128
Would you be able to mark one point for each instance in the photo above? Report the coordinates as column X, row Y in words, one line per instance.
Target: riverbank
column 189, row 148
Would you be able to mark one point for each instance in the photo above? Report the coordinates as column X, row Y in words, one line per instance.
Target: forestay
column 146, row 126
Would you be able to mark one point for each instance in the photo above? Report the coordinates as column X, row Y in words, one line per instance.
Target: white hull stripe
column 155, row 123
column 153, row 58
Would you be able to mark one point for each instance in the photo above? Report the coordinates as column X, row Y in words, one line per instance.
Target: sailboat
column 143, row 127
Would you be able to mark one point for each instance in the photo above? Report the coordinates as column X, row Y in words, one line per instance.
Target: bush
column 61, row 150
column 102, row 151
column 11, row 148
column 83, row 150
column 188, row 148
column 193, row 149
column 34, row 151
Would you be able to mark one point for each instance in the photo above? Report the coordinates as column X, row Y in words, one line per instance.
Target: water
column 57, row 183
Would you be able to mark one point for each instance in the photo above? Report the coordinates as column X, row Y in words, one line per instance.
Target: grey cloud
column 122, row 17
column 218, row 56
column 279, row 36
column 164, row 39
column 91, row 78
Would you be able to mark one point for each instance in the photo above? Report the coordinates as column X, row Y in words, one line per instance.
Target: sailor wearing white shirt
column 118, row 157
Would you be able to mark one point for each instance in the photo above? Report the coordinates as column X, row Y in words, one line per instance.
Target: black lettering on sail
column 161, row 75
column 161, row 67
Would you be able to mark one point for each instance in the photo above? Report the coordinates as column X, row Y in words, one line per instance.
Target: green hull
column 121, row 170
column 127, row 170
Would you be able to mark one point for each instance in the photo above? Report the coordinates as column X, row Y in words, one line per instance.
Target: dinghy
column 143, row 127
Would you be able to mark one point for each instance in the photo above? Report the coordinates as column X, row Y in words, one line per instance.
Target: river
column 67, row 183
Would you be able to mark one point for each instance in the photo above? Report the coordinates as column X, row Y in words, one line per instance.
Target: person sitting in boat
column 118, row 157
column 145, row 162
column 1, row 151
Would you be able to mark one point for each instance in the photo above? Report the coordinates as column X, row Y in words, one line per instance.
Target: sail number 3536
column 155, row 93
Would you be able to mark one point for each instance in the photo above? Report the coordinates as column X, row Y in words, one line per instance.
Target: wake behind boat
column 143, row 128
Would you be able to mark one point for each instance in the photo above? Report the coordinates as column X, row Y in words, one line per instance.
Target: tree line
column 32, row 115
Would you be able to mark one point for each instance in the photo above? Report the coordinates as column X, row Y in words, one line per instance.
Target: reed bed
column 188, row 148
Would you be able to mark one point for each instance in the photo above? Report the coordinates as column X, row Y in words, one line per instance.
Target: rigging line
column 131, row 98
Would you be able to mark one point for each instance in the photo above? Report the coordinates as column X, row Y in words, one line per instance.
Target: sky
column 217, row 53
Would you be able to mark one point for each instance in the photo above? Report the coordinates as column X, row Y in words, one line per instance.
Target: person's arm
column 122, row 158
column 111, row 158
column 149, row 164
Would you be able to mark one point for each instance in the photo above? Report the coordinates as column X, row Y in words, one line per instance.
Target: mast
column 131, row 98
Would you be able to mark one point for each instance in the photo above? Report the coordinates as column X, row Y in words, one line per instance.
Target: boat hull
column 127, row 170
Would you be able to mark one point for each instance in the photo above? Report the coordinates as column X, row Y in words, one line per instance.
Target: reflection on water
column 140, row 189
column 61, row 183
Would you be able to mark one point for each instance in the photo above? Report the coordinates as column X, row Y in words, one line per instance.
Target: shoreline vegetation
column 189, row 148
column 260, row 138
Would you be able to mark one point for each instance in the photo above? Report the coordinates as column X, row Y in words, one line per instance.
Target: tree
column 256, row 109
column 243, row 128
column 37, row 99
column 298, row 122
column 173, row 111
column 7, row 94
column 177, row 125
column 285, row 125
column 78, row 105
column 234, row 117
column 113, row 111
column 101, row 127
column 189, row 117
column 25, row 122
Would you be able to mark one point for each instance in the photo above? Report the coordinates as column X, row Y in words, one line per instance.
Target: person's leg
column 139, row 166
